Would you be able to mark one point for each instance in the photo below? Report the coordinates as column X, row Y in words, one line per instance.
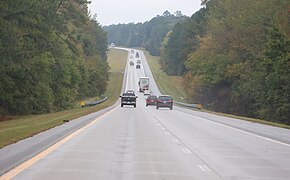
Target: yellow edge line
column 15, row 171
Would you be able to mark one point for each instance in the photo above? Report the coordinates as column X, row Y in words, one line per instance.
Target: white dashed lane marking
column 174, row 140
column 186, row 151
column 167, row 133
column 204, row 168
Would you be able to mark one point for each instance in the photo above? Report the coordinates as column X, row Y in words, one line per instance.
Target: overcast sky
column 127, row 11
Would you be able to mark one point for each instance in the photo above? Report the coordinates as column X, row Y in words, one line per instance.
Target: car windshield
column 152, row 97
column 165, row 98
column 128, row 94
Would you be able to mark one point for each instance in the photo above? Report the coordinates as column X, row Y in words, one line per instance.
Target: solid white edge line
column 259, row 136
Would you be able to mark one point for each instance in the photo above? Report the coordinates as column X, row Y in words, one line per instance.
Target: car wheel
column 121, row 105
column 157, row 107
column 134, row 105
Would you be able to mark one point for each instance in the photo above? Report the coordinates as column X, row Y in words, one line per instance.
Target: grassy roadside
column 25, row 126
column 173, row 85
column 253, row 120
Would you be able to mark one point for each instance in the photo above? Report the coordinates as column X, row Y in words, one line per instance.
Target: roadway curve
column 146, row 143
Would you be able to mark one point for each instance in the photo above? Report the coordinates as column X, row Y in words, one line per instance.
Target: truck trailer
column 143, row 84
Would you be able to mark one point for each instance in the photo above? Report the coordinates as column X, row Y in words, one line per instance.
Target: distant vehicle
column 131, row 63
column 147, row 92
column 128, row 98
column 138, row 61
column 164, row 101
column 151, row 100
column 130, row 91
column 143, row 84
column 138, row 66
column 137, row 55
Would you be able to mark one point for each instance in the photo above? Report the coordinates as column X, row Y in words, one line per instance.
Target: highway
column 144, row 143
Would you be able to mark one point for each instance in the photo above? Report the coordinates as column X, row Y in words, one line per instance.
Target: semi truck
column 143, row 84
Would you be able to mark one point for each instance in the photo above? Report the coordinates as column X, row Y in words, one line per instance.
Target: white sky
column 127, row 11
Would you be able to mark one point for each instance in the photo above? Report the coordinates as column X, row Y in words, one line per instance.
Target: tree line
column 148, row 35
column 234, row 57
column 52, row 54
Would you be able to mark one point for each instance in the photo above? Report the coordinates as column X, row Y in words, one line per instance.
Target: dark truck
column 137, row 55
column 128, row 98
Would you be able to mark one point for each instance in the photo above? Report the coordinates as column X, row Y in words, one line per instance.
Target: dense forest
column 148, row 35
column 234, row 57
column 52, row 54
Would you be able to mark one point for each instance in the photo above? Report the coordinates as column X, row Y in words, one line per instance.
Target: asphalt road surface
column 144, row 143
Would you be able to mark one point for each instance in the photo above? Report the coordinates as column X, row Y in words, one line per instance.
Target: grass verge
column 253, row 120
column 22, row 127
column 172, row 85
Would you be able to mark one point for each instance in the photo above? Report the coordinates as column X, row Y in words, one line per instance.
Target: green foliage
column 270, row 84
column 241, row 65
column 44, row 52
column 148, row 35
column 182, row 40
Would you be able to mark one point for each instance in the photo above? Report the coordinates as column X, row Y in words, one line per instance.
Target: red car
column 151, row 100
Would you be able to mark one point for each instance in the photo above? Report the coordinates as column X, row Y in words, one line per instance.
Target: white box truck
column 143, row 84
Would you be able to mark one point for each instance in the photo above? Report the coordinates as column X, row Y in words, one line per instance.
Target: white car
column 147, row 92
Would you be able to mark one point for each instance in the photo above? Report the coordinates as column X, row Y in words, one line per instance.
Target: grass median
column 22, row 127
